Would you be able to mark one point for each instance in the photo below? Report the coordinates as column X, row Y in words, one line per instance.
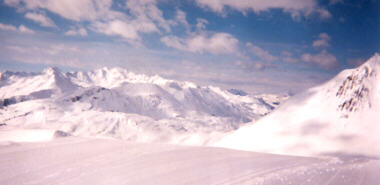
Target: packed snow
column 340, row 116
column 104, row 161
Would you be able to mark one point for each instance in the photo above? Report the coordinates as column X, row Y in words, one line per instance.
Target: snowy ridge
column 354, row 92
column 341, row 115
column 113, row 102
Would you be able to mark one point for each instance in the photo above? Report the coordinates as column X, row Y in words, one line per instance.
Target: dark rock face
column 354, row 91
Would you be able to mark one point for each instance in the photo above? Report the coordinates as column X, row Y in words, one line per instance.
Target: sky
column 259, row 46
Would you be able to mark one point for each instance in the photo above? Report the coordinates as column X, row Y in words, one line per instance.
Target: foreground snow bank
column 28, row 135
column 99, row 161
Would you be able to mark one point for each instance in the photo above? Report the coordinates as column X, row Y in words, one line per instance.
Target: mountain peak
column 59, row 79
column 355, row 90
column 373, row 61
column 51, row 71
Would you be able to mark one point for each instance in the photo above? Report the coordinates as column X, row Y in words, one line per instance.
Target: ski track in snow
column 106, row 161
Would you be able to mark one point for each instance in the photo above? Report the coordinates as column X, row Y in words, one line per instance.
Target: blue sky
column 258, row 46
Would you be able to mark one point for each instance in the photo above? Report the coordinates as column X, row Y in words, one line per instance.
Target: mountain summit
column 341, row 115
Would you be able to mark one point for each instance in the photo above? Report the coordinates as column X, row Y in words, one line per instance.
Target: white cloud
column 322, row 42
column 24, row 29
column 143, row 16
column 77, row 31
column 323, row 59
column 181, row 17
column 41, row 19
column 323, row 13
column 76, row 10
column 8, row 27
column 294, row 7
column 261, row 53
column 117, row 27
column 125, row 28
column 148, row 12
column 21, row 28
column 218, row 43
column 12, row 2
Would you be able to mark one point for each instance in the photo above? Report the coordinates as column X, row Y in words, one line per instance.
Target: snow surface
column 104, row 127
column 26, row 135
column 120, row 104
column 104, row 161
column 340, row 116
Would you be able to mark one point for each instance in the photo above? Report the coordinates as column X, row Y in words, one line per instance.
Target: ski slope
column 72, row 160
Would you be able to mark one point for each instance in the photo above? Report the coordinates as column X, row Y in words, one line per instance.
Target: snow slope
column 120, row 104
column 340, row 116
column 98, row 161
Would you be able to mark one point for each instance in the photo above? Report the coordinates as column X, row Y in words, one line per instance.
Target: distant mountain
column 120, row 104
column 342, row 115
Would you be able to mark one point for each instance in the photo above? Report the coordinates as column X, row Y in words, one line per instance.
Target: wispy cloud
column 323, row 59
column 20, row 29
column 8, row 27
column 127, row 30
column 69, row 9
column 181, row 18
column 215, row 43
column 261, row 53
column 294, row 7
column 41, row 19
column 322, row 42
column 76, row 32
column 147, row 12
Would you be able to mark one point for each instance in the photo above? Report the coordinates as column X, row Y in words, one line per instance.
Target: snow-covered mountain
column 341, row 115
column 120, row 104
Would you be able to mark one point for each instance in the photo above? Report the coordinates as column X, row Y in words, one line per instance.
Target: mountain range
column 116, row 103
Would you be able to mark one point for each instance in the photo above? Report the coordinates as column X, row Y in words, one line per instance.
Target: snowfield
column 107, row 161
column 340, row 116
column 110, row 126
